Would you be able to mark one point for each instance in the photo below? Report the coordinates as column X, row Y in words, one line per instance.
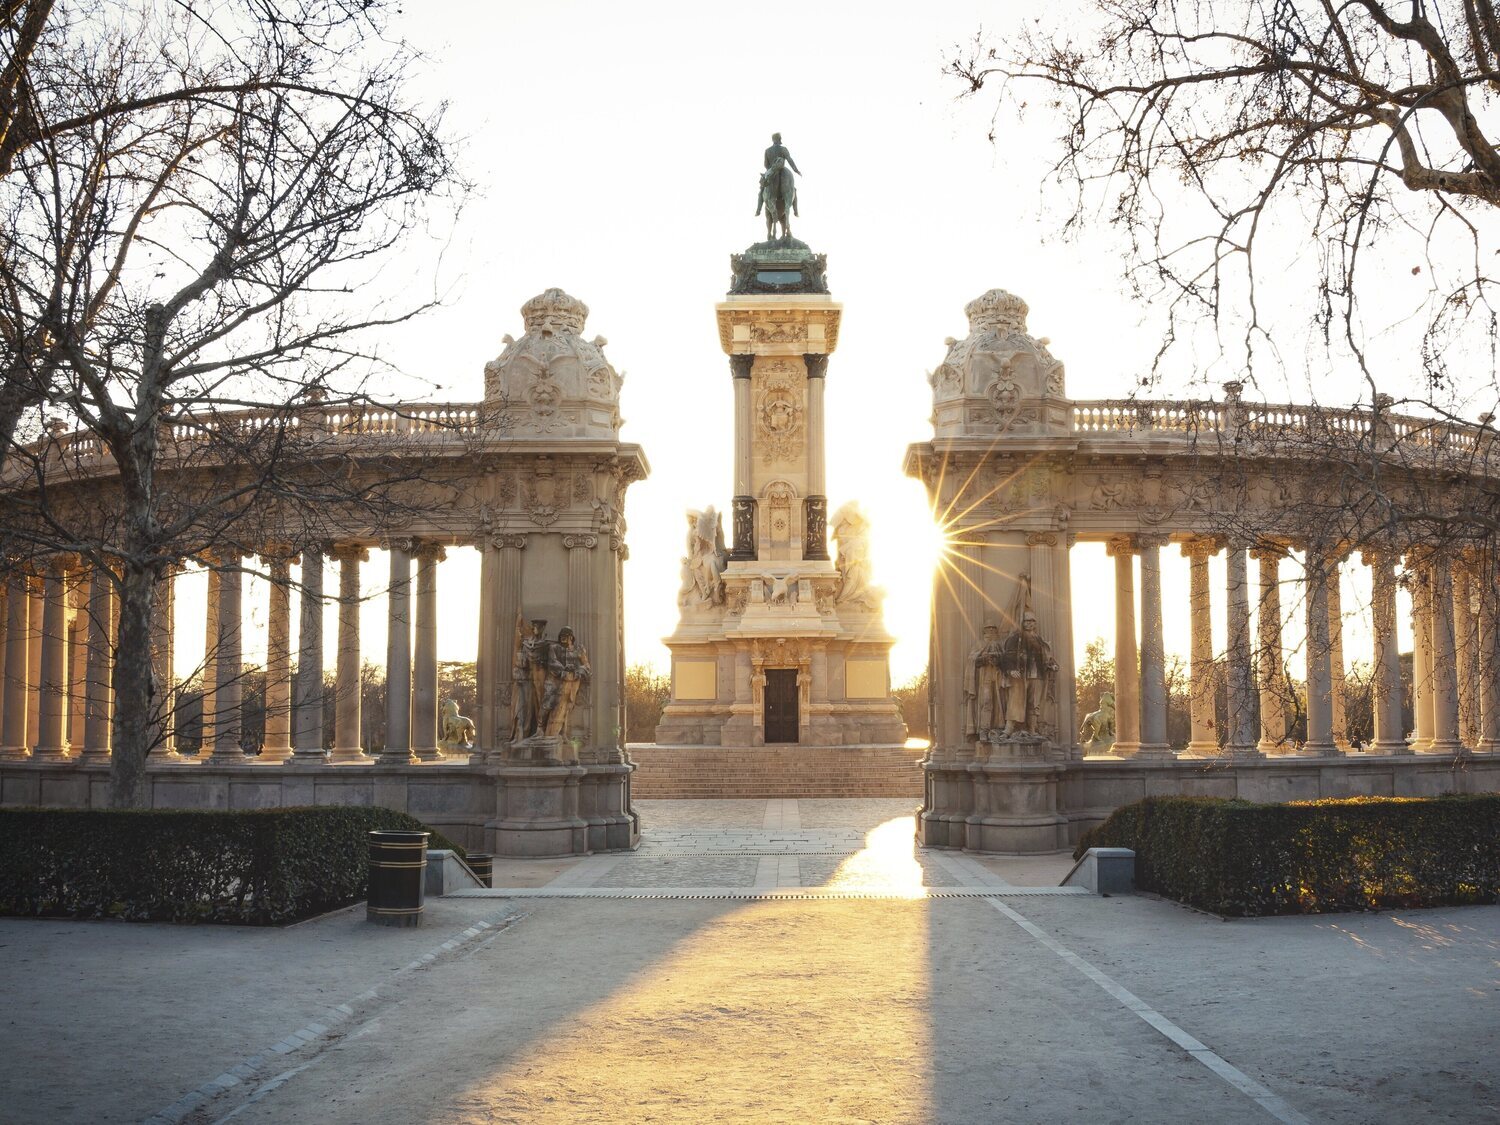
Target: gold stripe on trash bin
column 384, row 844
column 378, row 863
column 394, row 910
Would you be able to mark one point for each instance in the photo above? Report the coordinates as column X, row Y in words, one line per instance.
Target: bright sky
column 616, row 149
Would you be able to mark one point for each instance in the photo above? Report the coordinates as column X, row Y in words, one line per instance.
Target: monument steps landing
column 768, row 772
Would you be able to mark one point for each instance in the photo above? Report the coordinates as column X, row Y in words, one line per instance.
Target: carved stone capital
column 1042, row 539
column 1117, row 545
column 284, row 554
column 508, row 542
column 580, row 542
column 1201, row 547
column 740, row 365
column 817, row 364
column 404, row 544
column 1151, row 542
column 349, row 552
column 617, row 544
column 1265, row 549
column 428, row 551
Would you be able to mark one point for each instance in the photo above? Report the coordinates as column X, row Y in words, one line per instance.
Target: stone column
column 210, row 676
column 1240, row 738
column 1319, row 663
column 34, row 660
column 580, row 617
column 228, row 748
column 424, row 688
column 1154, row 742
column 98, row 698
column 277, row 747
column 346, row 732
column 1418, row 582
column 744, row 498
column 1466, row 650
column 163, row 670
column 397, row 750
column 815, row 509
column 1127, row 667
column 1270, row 656
column 51, row 742
column 1389, row 736
column 1204, row 742
column 17, row 667
column 1336, row 654
column 78, row 659
column 1444, row 657
column 508, row 549
column 1489, row 651
column 308, row 716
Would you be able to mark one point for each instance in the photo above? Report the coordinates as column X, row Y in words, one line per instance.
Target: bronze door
column 781, row 705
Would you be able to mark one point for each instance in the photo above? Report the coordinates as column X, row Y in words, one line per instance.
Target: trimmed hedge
column 260, row 867
column 1311, row 857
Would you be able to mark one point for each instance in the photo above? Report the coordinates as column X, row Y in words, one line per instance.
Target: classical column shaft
column 509, row 551
column 51, row 743
column 346, row 715
column 97, row 695
column 1204, row 741
column 308, row 719
column 37, row 606
column 1154, row 742
column 1489, row 652
column 228, row 666
column 1336, row 656
column 17, row 667
column 210, row 676
column 424, row 690
column 1240, row 741
column 744, row 499
column 398, row 660
column 580, row 614
column 1445, row 729
column 163, row 676
column 1466, row 650
column 1319, row 664
column 1389, row 735
column 278, row 741
column 1418, row 581
column 1269, row 656
column 78, row 662
column 1127, row 667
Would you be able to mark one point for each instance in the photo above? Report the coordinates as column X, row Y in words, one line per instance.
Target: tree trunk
column 135, row 692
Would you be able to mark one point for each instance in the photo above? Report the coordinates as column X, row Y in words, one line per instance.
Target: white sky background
column 616, row 148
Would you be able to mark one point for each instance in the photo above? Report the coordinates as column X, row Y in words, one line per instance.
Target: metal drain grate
column 789, row 894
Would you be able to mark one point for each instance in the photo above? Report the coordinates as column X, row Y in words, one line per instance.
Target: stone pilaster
column 1127, row 661
column 1389, row 738
column 1154, row 742
column 98, row 697
column 346, row 713
column 1204, row 742
column 744, row 498
column 308, row 714
column 228, row 739
column 1240, row 741
column 424, row 689
column 509, row 551
column 277, row 746
column 1269, row 654
column 17, row 667
column 581, row 618
column 51, row 742
column 1319, row 657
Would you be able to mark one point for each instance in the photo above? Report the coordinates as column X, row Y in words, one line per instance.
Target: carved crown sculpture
column 998, row 376
column 552, row 383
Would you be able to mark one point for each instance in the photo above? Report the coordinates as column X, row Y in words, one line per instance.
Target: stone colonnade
column 1456, row 664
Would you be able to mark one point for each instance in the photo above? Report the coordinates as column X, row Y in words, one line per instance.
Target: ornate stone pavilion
column 533, row 477
column 1023, row 473
column 778, row 643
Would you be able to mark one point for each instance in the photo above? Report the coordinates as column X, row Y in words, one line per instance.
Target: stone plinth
column 537, row 812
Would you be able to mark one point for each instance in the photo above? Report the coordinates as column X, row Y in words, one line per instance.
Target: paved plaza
column 788, row 960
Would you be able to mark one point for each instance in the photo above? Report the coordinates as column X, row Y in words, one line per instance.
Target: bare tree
column 195, row 206
column 1227, row 136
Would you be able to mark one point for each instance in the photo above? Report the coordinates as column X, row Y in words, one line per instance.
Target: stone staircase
column 766, row 772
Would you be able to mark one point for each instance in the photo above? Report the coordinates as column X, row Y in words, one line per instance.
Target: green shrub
column 258, row 867
column 1311, row 857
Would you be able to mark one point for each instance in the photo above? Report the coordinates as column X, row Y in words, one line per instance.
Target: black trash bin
column 398, row 868
column 483, row 866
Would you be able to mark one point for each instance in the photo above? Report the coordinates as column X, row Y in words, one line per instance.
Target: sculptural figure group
column 703, row 565
column 547, row 676
column 1007, row 681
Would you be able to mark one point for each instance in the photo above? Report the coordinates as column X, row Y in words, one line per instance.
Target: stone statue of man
column 1027, row 668
column 567, row 672
column 529, row 675
column 982, row 685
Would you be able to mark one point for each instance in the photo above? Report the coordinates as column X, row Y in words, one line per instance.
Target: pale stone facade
column 779, row 641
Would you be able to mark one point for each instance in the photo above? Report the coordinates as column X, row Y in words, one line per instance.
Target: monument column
column 51, row 745
column 277, row 746
column 346, row 713
column 1204, row 741
column 1240, row 738
column 163, row 671
column 1389, row 737
column 744, row 498
column 1336, row 653
column 78, row 657
column 397, row 751
column 1444, row 659
column 1466, row 649
column 424, row 690
column 508, row 605
column 580, row 615
column 1269, row 659
column 37, row 606
column 815, row 507
column 1319, row 663
column 17, row 667
column 1419, row 584
column 1154, row 742
column 227, row 748
column 97, row 695
column 1127, row 669
column 309, row 705
column 1489, row 652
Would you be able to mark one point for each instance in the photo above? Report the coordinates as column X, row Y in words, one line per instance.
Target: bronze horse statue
column 778, row 198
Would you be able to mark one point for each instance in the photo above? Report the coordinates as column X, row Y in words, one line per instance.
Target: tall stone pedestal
column 561, row 810
column 1010, row 807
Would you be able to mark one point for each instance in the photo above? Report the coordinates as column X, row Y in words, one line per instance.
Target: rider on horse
column 778, row 191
